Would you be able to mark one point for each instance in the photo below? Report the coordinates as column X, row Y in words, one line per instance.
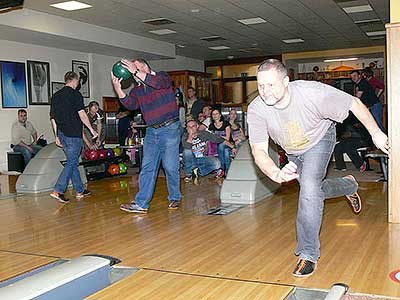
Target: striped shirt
column 155, row 98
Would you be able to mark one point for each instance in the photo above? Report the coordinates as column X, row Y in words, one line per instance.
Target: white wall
column 60, row 62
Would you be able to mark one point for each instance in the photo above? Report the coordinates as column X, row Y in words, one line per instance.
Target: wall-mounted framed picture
column 13, row 84
column 56, row 86
column 82, row 69
column 38, row 82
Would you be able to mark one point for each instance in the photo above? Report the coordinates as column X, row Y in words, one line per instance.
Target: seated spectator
column 24, row 137
column 238, row 136
column 95, row 115
column 221, row 128
column 351, row 136
column 206, row 118
column 195, row 153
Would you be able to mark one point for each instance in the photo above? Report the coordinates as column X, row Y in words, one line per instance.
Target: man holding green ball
column 155, row 97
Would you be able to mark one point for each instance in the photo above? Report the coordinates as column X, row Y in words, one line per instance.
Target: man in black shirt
column 67, row 114
column 366, row 93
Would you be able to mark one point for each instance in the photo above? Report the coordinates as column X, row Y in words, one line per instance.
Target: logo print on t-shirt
column 295, row 137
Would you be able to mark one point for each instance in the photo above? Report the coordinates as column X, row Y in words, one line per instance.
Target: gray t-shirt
column 302, row 124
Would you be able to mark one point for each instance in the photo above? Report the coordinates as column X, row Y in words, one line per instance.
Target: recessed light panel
column 219, row 47
column 162, row 31
column 357, row 9
column 292, row 41
column 252, row 21
column 71, row 5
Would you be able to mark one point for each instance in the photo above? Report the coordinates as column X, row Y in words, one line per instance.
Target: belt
column 166, row 123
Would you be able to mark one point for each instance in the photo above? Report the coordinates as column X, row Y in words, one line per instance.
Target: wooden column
column 393, row 99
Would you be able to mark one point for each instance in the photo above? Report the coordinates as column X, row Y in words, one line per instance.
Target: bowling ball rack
column 97, row 169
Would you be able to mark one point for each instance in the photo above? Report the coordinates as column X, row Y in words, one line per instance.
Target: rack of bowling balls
column 103, row 163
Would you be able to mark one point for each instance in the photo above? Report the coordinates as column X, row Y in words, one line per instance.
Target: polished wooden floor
column 250, row 250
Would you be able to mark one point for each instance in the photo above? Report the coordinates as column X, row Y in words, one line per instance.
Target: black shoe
column 59, row 197
column 304, row 268
column 195, row 176
column 85, row 193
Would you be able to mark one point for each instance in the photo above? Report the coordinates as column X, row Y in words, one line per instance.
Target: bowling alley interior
column 230, row 232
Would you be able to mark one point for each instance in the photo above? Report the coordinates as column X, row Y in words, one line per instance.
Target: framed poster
column 38, row 82
column 56, row 86
column 13, row 84
column 82, row 69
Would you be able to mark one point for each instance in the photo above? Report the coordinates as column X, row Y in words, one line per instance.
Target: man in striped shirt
column 155, row 97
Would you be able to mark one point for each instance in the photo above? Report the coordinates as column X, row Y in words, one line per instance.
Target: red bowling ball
column 102, row 153
column 91, row 154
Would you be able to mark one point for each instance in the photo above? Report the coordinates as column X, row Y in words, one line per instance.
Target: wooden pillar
column 393, row 98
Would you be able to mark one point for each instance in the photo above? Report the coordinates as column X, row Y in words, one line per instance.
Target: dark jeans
column 72, row 147
column 377, row 112
column 314, row 189
column 26, row 153
column 224, row 155
column 349, row 147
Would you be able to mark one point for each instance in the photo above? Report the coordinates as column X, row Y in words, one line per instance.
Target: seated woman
column 238, row 136
column 95, row 115
column 221, row 128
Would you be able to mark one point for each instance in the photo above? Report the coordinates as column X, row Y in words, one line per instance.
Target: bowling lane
column 14, row 264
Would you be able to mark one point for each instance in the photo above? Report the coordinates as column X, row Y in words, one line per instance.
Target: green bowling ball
column 122, row 168
column 120, row 71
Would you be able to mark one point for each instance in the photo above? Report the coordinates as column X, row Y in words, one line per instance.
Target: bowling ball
column 91, row 154
column 122, row 168
column 120, row 71
column 113, row 169
column 102, row 153
column 117, row 151
column 110, row 153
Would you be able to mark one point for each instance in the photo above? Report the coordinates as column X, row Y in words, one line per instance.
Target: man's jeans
column 26, row 153
column 72, row 147
column 224, row 155
column 377, row 112
column 314, row 189
column 160, row 145
column 205, row 164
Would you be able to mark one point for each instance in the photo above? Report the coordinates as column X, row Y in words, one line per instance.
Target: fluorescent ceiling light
column 162, row 31
column 367, row 21
column 219, row 47
column 341, row 59
column 291, row 41
column 357, row 9
column 252, row 21
column 375, row 33
column 195, row 10
column 181, row 45
column 71, row 5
